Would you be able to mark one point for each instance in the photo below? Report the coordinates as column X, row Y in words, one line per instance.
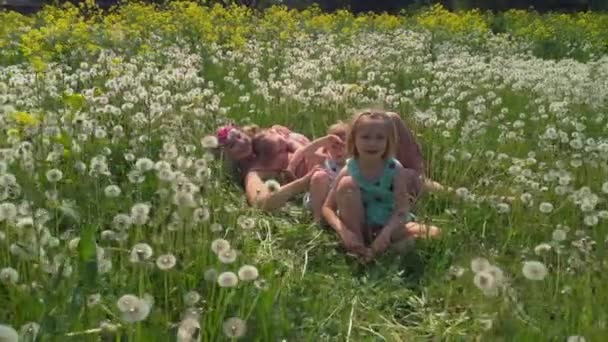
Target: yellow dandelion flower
column 25, row 118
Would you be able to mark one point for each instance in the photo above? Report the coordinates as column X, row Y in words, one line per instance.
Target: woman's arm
column 311, row 150
column 258, row 195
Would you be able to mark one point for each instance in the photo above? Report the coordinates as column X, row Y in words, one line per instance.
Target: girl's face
column 336, row 151
column 371, row 138
column 238, row 145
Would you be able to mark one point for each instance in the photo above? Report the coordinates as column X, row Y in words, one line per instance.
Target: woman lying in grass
column 370, row 206
column 256, row 156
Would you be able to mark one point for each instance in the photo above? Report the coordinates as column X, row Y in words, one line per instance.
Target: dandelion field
column 118, row 224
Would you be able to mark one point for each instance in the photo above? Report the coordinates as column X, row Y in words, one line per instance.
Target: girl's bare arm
column 330, row 207
column 402, row 202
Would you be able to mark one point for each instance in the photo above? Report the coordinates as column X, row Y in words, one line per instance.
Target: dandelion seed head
column 485, row 281
column 559, row 235
column 141, row 252
column 8, row 334
column 227, row 256
column 227, row 279
column 480, row 264
column 29, row 331
column 144, row 165
column 219, row 246
column 248, row 273
column 209, row 142
column 166, row 262
column 54, row 175
column 234, row 327
column 542, row 248
column 112, row 191
column 8, row 211
column 191, row 298
column 9, row 276
column 534, row 270
column 246, row 222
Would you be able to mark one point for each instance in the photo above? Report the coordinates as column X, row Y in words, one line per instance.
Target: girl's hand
column 382, row 241
column 353, row 243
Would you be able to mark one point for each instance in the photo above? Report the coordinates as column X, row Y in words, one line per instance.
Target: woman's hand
column 332, row 139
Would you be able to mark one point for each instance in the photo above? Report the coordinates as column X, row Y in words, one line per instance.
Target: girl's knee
column 319, row 176
column 347, row 186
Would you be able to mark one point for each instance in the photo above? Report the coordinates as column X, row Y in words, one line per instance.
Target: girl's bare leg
column 351, row 212
column 318, row 189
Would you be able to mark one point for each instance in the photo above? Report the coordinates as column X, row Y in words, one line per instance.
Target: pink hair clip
column 223, row 132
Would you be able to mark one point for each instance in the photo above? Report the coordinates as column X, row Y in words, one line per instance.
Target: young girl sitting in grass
column 369, row 207
column 333, row 157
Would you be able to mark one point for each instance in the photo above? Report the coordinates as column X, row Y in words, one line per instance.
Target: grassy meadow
column 117, row 223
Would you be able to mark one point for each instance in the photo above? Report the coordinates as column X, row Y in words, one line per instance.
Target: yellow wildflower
column 25, row 118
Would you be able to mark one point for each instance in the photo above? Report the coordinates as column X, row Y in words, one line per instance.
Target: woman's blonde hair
column 391, row 135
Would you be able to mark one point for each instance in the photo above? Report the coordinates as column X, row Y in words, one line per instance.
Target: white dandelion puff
column 166, row 262
column 209, row 142
column 112, row 191
column 8, row 334
column 9, row 276
column 227, row 256
column 479, row 265
column 545, row 207
column 542, row 248
column 93, row 299
column 534, row 270
column 235, row 327
column 485, row 281
column 29, row 331
column 144, row 165
column 140, row 252
column 559, row 235
column 220, row 245
column 246, row 222
column 8, row 211
column 272, row 185
column 248, row 273
column 54, row 175
column 227, row 279
column 133, row 309
column 191, row 298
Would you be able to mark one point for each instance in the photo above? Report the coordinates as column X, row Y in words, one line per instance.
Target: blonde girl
column 370, row 205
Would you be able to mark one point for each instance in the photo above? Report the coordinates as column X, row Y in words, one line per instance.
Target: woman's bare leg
column 404, row 239
column 319, row 188
column 419, row 230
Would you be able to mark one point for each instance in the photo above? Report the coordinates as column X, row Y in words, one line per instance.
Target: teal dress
column 378, row 195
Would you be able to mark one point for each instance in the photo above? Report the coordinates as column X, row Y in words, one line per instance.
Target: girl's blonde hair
column 340, row 129
column 391, row 135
